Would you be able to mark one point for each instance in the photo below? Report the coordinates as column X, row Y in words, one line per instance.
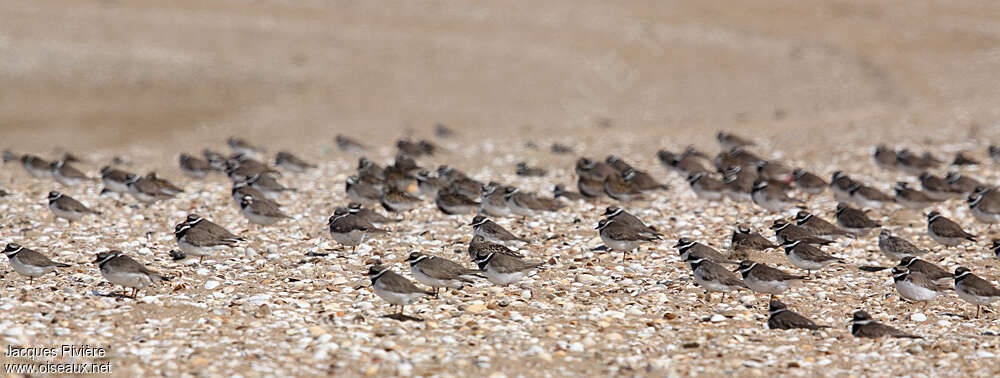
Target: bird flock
column 503, row 258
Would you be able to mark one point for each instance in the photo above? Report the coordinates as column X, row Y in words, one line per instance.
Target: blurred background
column 87, row 75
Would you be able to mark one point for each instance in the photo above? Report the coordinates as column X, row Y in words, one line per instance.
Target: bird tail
column 61, row 265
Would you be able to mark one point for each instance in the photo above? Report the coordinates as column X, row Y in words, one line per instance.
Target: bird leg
column 401, row 307
column 977, row 311
column 200, row 260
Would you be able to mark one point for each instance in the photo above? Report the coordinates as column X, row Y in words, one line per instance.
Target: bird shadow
column 402, row 318
column 111, row 295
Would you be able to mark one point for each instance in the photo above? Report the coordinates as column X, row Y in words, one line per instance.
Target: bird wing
column 29, row 257
column 949, row 229
column 789, row 320
column 715, row 272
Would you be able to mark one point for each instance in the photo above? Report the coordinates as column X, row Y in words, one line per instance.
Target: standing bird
column 862, row 325
column 984, row 205
column 841, row 185
column 764, row 279
column 642, row 181
column 807, row 256
column 493, row 201
column 368, row 214
column 854, row 221
column 398, row 201
column 350, row 229
column 560, row 191
column 706, row 187
column 114, row 180
column 818, row 226
column 493, row 232
column 67, row 175
column 915, row 286
column 144, row 189
column 687, row 246
column 713, row 277
column 36, row 166
column 200, row 237
column 429, row 185
column 960, row 183
column 974, row 289
column 912, row 198
column 808, row 182
column 946, row 231
column 787, row 231
column 66, row 207
column 194, row 167
column 438, row 272
column 783, row 318
column 729, row 141
column 27, row 262
column 523, row 169
column 119, row 269
column 936, row 187
column 885, row 158
column 358, row 191
column 451, row 202
column 896, row 248
column 866, row 196
column 267, row 184
column 261, row 212
column 616, row 187
column 929, row 270
column 393, row 288
column 619, row 237
column 503, row 269
column 349, row 145
column 620, row 215
column 289, row 161
column 771, row 197
column 744, row 240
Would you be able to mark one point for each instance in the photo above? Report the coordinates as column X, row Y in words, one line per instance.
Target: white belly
column 519, row 210
column 132, row 280
column 259, row 219
column 766, row 287
column 350, row 239
column 950, row 242
column 142, row 197
column 66, row 180
column 395, row 298
column 70, row 215
column 434, row 282
column 908, row 290
column 804, row 264
column 193, row 250
column 865, row 202
column 502, row 279
column 620, row 245
column 761, row 200
column 28, row 270
column 494, row 209
column 38, row 173
column 974, row 299
column 842, row 195
column 984, row 216
column 115, row 186
column 711, row 285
